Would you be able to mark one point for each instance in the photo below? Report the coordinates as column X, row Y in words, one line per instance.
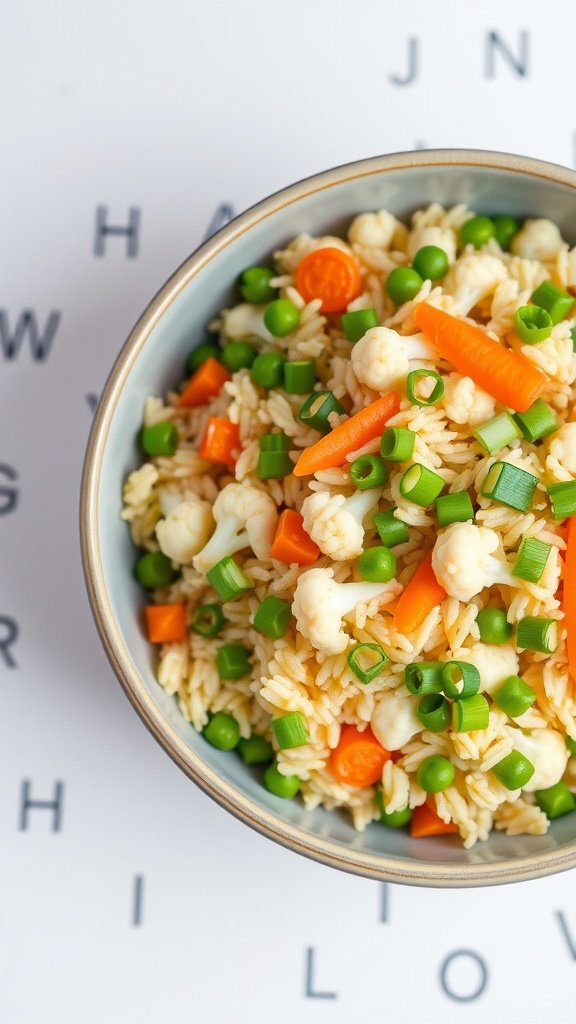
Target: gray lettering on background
column 130, row 231
column 309, row 990
column 27, row 326
column 495, row 44
column 55, row 805
column 137, row 900
column 469, row 997
column 8, row 494
column 9, row 633
column 223, row 214
column 413, row 64
column 570, row 941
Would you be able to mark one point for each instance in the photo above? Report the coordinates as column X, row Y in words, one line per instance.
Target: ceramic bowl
column 152, row 360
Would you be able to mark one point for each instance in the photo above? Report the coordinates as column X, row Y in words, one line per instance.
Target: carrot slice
column 220, row 442
column 359, row 758
column 418, row 598
column 292, row 543
column 206, row 383
column 569, row 596
column 166, row 623
column 506, row 375
column 331, row 451
column 425, row 822
column 331, row 275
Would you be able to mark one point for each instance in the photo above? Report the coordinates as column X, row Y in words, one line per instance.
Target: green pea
column 431, row 263
column 284, row 786
column 255, row 284
column 154, row 570
column 222, row 731
column 200, row 355
column 161, row 439
column 281, row 317
column 504, row 230
column 396, row 819
column 403, row 284
column 268, row 370
column 377, row 564
column 435, row 774
column 238, row 355
column 477, row 231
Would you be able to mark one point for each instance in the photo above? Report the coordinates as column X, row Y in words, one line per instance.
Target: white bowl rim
column 381, row 867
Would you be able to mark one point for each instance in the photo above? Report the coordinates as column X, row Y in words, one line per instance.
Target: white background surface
column 177, row 108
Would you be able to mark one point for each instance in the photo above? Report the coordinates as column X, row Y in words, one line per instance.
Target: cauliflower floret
column 471, row 279
column 494, row 664
column 320, row 604
column 185, row 530
column 537, row 240
column 546, row 750
column 465, row 402
column 245, row 517
column 464, row 563
column 444, row 238
column 335, row 523
column 245, row 321
column 381, row 359
column 562, row 447
column 374, row 230
column 394, row 720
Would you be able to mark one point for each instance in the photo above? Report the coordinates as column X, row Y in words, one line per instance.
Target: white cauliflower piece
column 464, row 563
column 546, row 750
column 494, row 663
column 374, row 230
column 394, row 720
column 381, row 359
column 465, row 402
column 429, row 234
column 335, row 523
column 320, row 604
column 537, row 240
column 562, row 447
column 245, row 517
column 185, row 530
column 471, row 279
column 246, row 321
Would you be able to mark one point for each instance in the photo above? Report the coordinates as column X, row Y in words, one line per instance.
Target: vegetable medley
column 356, row 522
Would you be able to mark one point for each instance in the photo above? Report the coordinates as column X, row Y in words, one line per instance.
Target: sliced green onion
column 378, row 564
column 372, row 668
column 391, row 531
column 435, row 774
column 255, row 750
column 555, row 801
column 300, row 376
column 505, row 228
column 317, row 408
column 531, row 560
column 509, row 485
column 397, row 444
column 159, row 440
column 454, row 508
column 274, row 465
column 228, row 579
column 153, row 569
column 232, row 661
column 290, row 730
column 571, row 745
column 563, row 499
column 471, row 714
column 514, row 770
column 573, row 336
column 273, row 616
column 497, row 433
column 284, row 786
column 368, row 471
column 274, row 443
column 494, row 626
column 514, row 696
column 412, row 381
column 357, row 322
column 434, row 712
column 532, row 324
column 208, row 620
column 554, row 300
column 420, row 485
column 460, row 680
column 537, row 422
column 423, row 677
column 536, row 634
column 396, row 819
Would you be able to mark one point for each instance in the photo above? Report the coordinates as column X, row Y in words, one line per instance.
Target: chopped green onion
column 554, row 300
column 273, row 616
column 435, row 774
column 317, row 408
column 208, row 620
column 477, row 231
column 420, row 485
column 514, row 696
column 281, row 317
column 396, row 819
column 537, row 422
column 536, row 634
column 274, row 443
column 563, row 499
column 509, row 485
column 284, row 786
column 573, row 336
column 454, row 508
column 160, row 440
column 434, row 712
column 505, row 228
column 412, row 381
column 154, row 569
column 471, row 714
column 232, row 661
column 494, row 626
column 357, row 322
column 228, row 579
column 222, row 731
column 374, row 668
column 531, row 560
column 238, row 355
column 555, row 801
column 460, row 679
column 199, row 355
column 397, row 444
column 514, row 770
column 255, row 750
column 423, row 677
column 368, row 471
column 300, row 376
column 532, row 324
column 391, row 531
column 267, row 370
column 274, row 465
column 571, row 744
column 378, row 564
column 497, row 433
column 290, row 730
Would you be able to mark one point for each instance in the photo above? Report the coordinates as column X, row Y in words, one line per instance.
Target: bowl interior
column 153, row 361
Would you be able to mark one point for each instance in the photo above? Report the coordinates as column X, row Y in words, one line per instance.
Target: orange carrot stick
column 220, row 442
column 166, row 623
column 418, row 598
column 292, row 543
column 506, row 375
column 569, row 596
column 329, row 274
column 206, row 383
column 364, row 426
column 359, row 758
column 425, row 822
